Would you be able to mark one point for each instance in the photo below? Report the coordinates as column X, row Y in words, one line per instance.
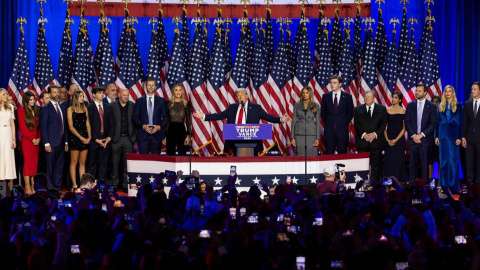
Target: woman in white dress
column 8, row 142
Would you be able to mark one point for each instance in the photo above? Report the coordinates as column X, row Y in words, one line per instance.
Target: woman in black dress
column 394, row 163
column 79, row 136
column 179, row 116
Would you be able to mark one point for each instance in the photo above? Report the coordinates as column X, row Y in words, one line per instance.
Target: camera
column 318, row 221
column 359, row 194
column 253, row 218
column 74, row 249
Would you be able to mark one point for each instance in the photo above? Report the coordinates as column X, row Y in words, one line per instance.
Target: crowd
column 373, row 226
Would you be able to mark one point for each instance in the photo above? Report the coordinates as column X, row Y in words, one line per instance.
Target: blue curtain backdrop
column 456, row 32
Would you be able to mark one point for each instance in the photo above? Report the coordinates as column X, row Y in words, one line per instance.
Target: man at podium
column 243, row 112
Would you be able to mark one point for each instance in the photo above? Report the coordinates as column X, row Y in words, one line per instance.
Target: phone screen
column 300, row 263
column 461, row 239
column 233, row 170
column 74, row 249
column 204, row 234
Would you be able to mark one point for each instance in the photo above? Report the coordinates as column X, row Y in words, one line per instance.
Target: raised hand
column 199, row 114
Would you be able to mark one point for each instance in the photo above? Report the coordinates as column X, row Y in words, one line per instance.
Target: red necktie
column 240, row 116
column 100, row 111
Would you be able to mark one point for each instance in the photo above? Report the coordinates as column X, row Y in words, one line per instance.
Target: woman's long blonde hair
column 182, row 97
column 443, row 104
column 313, row 108
column 76, row 105
column 5, row 105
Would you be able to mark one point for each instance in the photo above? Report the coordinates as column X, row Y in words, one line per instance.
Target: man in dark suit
column 53, row 127
column 471, row 135
column 243, row 112
column 336, row 112
column 420, row 124
column 110, row 93
column 100, row 117
column 150, row 117
column 370, row 123
column 71, row 89
column 124, row 135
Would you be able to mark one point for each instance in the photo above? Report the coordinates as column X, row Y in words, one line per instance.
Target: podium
column 246, row 136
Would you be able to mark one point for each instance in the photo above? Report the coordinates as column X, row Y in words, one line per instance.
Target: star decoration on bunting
column 218, row 181
column 238, row 181
column 275, row 180
column 165, row 181
column 295, row 180
column 256, row 180
column 313, row 180
column 152, row 179
column 139, row 178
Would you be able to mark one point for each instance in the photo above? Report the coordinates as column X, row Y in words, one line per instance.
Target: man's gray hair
column 370, row 91
column 241, row 90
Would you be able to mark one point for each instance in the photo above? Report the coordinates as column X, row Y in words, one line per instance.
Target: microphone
column 242, row 103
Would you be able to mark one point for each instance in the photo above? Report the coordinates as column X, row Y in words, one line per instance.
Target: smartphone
column 387, row 182
column 68, row 203
column 439, row 190
column 401, row 265
column 24, row 205
column 280, row 217
column 300, row 263
column 360, row 194
column 348, row 233
column 101, row 187
column 289, row 180
column 53, row 218
column 461, row 239
column 104, row 207
column 169, row 173
column 233, row 213
column 243, row 211
column 464, row 189
column 252, row 219
column 233, row 170
column 318, row 221
column 341, row 185
column 219, row 196
column 204, row 234
column 336, row 264
column 110, row 189
column 60, row 202
column 287, row 220
column 292, row 229
column 416, row 201
column 432, row 184
column 382, row 238
column 162, row 221
column 74, row 249
column 118, row 203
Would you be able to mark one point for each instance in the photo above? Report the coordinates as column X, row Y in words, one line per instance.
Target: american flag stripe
column 43, row 74
column 19, row 81
column 163, row 57
column 429, row 68
column 357, row 57
column 381, row 47
column 407, row 78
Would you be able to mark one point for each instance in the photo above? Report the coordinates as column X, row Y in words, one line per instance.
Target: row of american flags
column 273, row 78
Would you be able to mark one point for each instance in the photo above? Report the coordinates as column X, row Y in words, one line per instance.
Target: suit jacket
column 132, row 131
column 254, row 111
column 450, row 128
column 51, row 126
column 312, row 121
column 341, row 117
column 470, row 123
column 428, row 122
column 160, row 117
column 105, row 99
column 96, row 124
column 365, row 124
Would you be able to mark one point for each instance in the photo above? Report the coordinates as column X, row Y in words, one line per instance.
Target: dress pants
column 149, row 146
column 472, row 156
column 335, row 143
column 98, row 158
column 419, row 154
column 375, row 162
column 55, row 161
column 119, row 154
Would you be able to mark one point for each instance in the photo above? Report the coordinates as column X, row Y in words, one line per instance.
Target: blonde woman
column 79, row 137
column 178, row 128
column 306, row 124
column 7, row 142
column 448, row 136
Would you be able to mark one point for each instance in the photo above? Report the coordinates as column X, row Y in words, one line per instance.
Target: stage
column 250, row 170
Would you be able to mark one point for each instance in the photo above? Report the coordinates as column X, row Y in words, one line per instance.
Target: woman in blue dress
column 394, row 160
column 448, row 136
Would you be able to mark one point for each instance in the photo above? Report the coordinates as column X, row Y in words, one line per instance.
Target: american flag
column 288, row 88
column 228, row 65
column 218, row 96
column 83, row 71
column 185, row 40
column 176, row 70
column 298, row 36
column 269, row 40
column 324, row 67
column 292, row 63
column 357, row 56
column 43, row 74
column 336, row 42
column 304, row 73
column 403, row 43
column 277, row 83
column 247, row 35
column 131, row 73
column 240, row 74
column 318, row 41
column 199, row 97
column 369, row 74
column 429, row 69
column 163, row 57
column 259, row 84
column 407, row 78
column 390, row 69
column 65, row 67
column 103, row 61
column 153, row 70
column 20, row 80
column 381, row 45
column 347, row 69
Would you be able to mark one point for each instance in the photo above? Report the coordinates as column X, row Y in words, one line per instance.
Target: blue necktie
column 150, row 111
column 419, row 117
